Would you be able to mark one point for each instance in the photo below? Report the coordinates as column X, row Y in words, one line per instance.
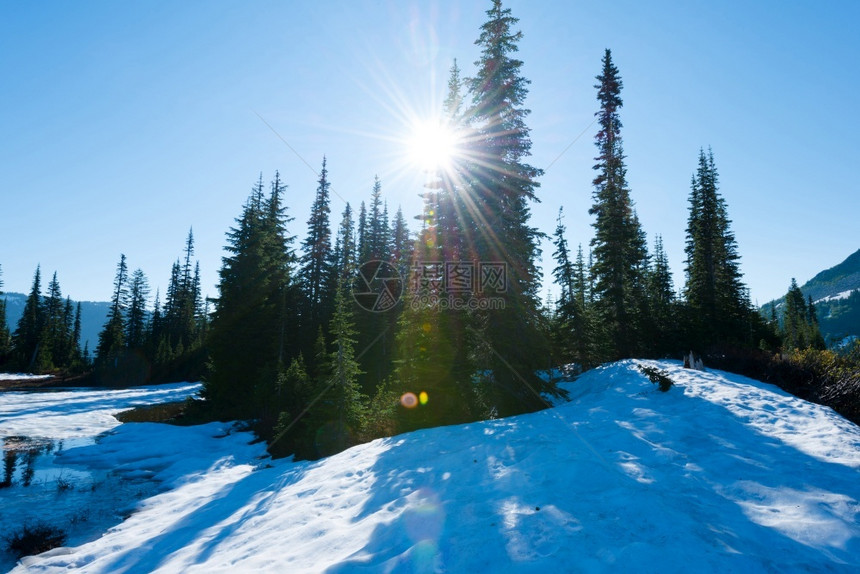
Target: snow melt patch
column 716, row 475
column 71, row 413
column 22, row 377
column 837, row 297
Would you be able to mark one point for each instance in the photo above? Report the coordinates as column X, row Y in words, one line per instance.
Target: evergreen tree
column 618, row 245
column 77, row 358
column 112, row 337
column 135, row 328
column 345, row 253
column 432, row 346
column 315, row 274
column 248, row 339
column 572, row 326
column 363, row 240
column 54, row 335
column 662, row 305
column 401, row 244
column 800, row 328
column 27, row 335
column 345, row 395
column 5, row 335
column 377, row 226
column 500, row 188
column 716, row 298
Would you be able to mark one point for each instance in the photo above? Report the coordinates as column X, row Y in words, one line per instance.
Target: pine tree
column 344, row 369
column 112, row 337
column 377, row 226
column 5, row 335
column 661, row 301
column 27, row 335
column 363, row 239
column 77, row 358
column 401, row 243
column 800, row 322
column 432, row 345
column 572, row 326
column 315, row 274
column 135, row 328
column 618, row 246
column 567, row 304
column 500, row 187
column 248, row 337
column 53, row 338
column 716, row 297
column 346, row 251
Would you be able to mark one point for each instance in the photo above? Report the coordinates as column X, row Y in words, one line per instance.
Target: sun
column 433, row 145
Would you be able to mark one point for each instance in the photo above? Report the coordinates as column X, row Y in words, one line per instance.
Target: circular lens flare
column 409, row 400
column 423, row 397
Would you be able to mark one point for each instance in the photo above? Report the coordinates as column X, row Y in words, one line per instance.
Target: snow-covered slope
column 720, row 474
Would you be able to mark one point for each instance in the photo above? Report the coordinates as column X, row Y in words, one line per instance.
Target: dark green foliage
column 27, row 336
column 498, row 187
column 663, row 310
column 718, row 307
column 316, row 263
column 5, row 335
column 34, row 539
column 658, row 377
column 572, row 325
column 800, row 322
column 249, row 338
column 618, row 246
column 135, row 329
column 112, row 338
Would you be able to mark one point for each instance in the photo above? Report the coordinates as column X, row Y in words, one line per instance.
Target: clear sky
column 124, row 124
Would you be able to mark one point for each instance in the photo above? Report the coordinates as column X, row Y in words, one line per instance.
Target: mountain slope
column 721, row 473
column 93, row 317
column 836, row 293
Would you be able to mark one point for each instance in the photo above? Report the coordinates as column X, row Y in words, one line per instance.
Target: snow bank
column 71, row 413
column 22, row 377
column 719, row 474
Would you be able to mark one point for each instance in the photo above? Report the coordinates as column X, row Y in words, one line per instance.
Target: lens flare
column 409, row 400
column 423, row 397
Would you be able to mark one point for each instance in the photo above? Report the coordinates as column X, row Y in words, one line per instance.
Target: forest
column 367, row 327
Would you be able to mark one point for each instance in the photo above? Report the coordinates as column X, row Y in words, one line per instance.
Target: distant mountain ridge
column 93, row 317
column 839, row 279
column 836, row 294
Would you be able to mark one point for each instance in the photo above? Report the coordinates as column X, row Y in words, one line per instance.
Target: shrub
column 658, row 377
column 35, row 539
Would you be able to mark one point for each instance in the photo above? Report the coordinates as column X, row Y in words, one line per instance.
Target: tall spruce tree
column 315, row 274
column 135, row 327
column 800, row 328
column 663, row 311
column 432, row 344
column 55, row 331
column 618, row 245
column 27, row 335
column 112, row 336
column 248, row 333
column 501, row 187
column 717, row 302
column 5, row 335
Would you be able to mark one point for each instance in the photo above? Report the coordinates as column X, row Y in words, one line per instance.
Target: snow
column 75, row 413
column 837, row 297
column 720, row 474
column 22, row 377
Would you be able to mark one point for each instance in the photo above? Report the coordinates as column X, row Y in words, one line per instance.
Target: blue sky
column 122, row 125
